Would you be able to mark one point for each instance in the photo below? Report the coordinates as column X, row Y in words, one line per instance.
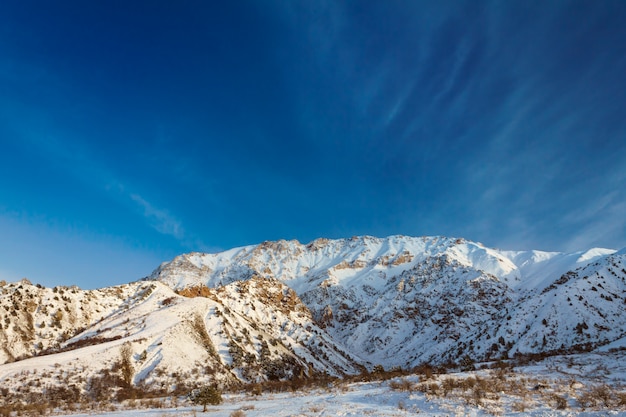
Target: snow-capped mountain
column 402, row 301
column 284, row 309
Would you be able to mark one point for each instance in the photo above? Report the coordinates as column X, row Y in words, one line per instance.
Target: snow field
column 540, row 387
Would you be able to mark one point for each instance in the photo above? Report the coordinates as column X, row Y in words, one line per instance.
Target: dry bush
column 343, row 388
column 604, row 394
column 35, row 409
column 448, row 385
column 425, row 371
column 520, row 406
column 237, row 413
column 467, row 384
column 601, row 396
column 516, row 387
column 556, row 401
column 254, row 389
column 402, row 385
column 316, row 409
column 168, row 301
column 476, row 396
column 586, row 400
column 153, row 403
column 428, row 388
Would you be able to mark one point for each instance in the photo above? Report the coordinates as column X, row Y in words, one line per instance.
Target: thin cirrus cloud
column 601, row 218
column 161, row 220
column 78, row 160
column 512, row 114
column 61, row 143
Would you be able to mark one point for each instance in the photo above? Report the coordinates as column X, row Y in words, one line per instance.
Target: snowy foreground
column 360, row 400
column 371, row 399
column 532, row 390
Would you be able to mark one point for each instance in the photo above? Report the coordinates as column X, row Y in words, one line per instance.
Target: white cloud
column 167, row 224
column 161, row 220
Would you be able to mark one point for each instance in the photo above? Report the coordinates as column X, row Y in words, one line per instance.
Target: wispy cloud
column 598, row 221
column 160, row 219
column 78, row 159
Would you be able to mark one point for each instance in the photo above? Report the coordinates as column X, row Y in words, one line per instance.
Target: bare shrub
column 343, row 388
column 168, row 301
column 596, row 396
column 402, row 385
column 237, row 413
column 425, row 371
column 447, row 386
column 557, row 401
column 316, row 409
column 476, row 396
column 153, row 403
column 604, row 395
column 586, row 400
column 429, row 388
column 255, row 389
column 519, row 406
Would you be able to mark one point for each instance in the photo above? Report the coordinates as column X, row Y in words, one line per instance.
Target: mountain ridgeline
column 283, row 310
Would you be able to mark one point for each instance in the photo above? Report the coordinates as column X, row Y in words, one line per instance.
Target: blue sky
column 134, row 131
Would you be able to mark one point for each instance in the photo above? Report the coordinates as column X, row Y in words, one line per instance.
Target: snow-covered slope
column 247, row 331
column 401, row 301
column 581, row 308
column 280, row 310
column 34, row 319
column 539, row 267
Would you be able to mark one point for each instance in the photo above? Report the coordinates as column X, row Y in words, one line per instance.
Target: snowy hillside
column 402, row 301
column 246, row 331
column 284, row 310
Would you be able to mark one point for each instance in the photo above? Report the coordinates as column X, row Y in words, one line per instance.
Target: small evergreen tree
column 209, row 394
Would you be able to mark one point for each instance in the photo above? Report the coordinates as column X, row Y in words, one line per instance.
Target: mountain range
column 282, row 310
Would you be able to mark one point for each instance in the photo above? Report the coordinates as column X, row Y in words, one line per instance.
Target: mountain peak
column 355, row 285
